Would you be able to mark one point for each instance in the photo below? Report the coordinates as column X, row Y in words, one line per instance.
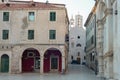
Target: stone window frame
column 7, row 19
column 29, row 16
column 31, row 32
column 52, row 16
column 5, row 32
column 52, row 36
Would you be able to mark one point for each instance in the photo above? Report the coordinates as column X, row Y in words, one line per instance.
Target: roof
column 91, row 14
column 30, row 5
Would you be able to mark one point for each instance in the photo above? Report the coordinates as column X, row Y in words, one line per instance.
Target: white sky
column 83, row 7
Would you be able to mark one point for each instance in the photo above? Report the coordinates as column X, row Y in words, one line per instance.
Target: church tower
column 4, row 1
column 72, row 22
column 78, row 20
column 76, row 40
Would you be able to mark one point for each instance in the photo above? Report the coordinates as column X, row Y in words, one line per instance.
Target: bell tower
column 72, row 22
column 4, row 1
column 78, row 20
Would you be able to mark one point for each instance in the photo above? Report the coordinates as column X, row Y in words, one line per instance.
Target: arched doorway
column 30, row 60
column 52, row 60
column 5, row 63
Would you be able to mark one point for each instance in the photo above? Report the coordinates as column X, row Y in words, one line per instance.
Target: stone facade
column 107, row 40
column 76, row 40
column 91, row 40
column 104, row 48
column 19, row 25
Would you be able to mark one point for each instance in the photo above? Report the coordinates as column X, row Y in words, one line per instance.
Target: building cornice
column 108, row 11
column 29, row 6
column 100, row 22
column 112, row 2
column 108, row 54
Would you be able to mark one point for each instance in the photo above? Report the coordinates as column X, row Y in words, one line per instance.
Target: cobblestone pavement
column 75, row 72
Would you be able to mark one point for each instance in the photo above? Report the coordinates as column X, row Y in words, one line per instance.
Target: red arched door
column 30, row 60
column 52, row 60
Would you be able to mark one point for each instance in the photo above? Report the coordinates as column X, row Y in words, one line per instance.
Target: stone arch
column 24, row 48
column 30, row 60
column 50, row 47
column 5, row 63
column 52, row 60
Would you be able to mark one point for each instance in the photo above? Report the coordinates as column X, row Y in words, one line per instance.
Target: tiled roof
column 30, row 5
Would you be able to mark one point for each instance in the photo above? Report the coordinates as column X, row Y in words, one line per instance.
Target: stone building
column 33, row 37
column 104, row 19
column 76, row 40
column 91, row 54
column 107, row 38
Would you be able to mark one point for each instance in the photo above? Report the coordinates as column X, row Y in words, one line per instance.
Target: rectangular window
column 30, row 34
column 72, row 44
column 52, row 34
column 31, row 16
column 5, row 16
column 92, row 39
column 5, row 34
column 52, row 16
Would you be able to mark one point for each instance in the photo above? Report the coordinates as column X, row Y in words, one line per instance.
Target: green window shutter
column 52, row 16
column 5, row 16
column 31, row 16
column 5, row 34
column 30, row 34
column 52, row 34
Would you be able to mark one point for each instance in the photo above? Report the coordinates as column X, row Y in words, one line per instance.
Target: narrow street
column 75, row 72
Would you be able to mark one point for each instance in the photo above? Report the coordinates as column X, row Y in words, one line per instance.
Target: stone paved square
column 75, row 72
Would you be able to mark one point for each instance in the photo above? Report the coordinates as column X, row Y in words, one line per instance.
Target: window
column 71, row 57
column 91, row 57
column 31, row 16
column 52, row 34
column 30, row 34
column 92, row 39
column 5, row 16
column 78, row 37
column 2, row 0
column 5, row 34
column 30, row 54
column 78, row 53
column 78, row 45
column 84, row 58
column 72, row 44
column 66, row 38
column 52, row 16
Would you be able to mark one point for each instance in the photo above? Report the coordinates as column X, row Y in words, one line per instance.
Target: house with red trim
column 33, row 37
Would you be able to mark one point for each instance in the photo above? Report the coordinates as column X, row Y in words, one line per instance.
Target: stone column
column 100, row 48
column 63, row 57
column 63, row 62
column 15, row 64
column 111, row 67
column 20, row 64
column 41, row 64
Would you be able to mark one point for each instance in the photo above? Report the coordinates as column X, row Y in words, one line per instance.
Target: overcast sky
column 83, row 7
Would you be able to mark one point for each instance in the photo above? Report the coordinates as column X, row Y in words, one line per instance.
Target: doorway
column 30, row 60
column 4, row 63
column 54, row 63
